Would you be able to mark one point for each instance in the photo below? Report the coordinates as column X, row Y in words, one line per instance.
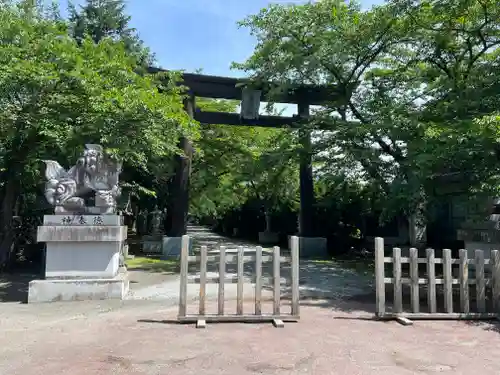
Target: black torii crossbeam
column 206, row 86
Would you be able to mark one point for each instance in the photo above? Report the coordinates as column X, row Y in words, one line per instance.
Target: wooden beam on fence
column 233, row 258
column 439, row 316
column 239, row 318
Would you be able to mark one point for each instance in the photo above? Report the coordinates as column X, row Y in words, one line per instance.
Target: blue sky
column 194, row 34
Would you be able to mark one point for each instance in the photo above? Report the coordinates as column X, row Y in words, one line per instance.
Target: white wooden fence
column 484, row 289
column 223, row 258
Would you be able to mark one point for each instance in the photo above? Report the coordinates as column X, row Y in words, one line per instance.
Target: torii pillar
column 310, row 246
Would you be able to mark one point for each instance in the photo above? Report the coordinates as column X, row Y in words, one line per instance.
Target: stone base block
column 84, row 260
column 171, row 248
column 268, row 238
column 311, row 247
column 78, row 289
column 152, row 244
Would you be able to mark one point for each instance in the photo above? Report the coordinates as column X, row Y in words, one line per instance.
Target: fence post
column 495, row 273
column 431, row 281
column 184, row 275
column 480, row 282
column 258, row 280
column 277, row 280
column 448, row 291
column 239, row 297
column 464, row 281
column 379, row 276
column 397, row 282
column 222, row 280
column 203, row 279
column 295, row 276
column 415, row 296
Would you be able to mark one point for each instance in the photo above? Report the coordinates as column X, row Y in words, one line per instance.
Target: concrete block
column 268, row 238
column 171, row 248
column 89, row 233
column 82, row 259
column 152, row 244
column 83, row 220
column 311, row 247
column 78, row 289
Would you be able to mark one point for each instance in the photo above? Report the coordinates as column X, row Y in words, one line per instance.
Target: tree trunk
column 10, row 192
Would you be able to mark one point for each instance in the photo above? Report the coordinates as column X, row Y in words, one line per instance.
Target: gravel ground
column 334, row 336
column 317, row 280
column 138, row 338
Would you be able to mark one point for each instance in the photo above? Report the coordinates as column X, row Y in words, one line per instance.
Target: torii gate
column 215, row 87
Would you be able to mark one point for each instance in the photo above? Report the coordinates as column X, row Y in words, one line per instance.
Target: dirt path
column 341, row 339
column 335, row 336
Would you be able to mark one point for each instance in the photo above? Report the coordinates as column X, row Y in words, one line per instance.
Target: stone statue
column 94, row 172
column 156, row 221
column 142, row 222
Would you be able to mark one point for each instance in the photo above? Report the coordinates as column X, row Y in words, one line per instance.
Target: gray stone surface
column 78, row 289
column 171, row 247
column 152, row 244
column 82, row 259
column 318, row 279
column 311, row 247
column 268, row 238
column 83, row 220
column 90, row 233
column 94, row 172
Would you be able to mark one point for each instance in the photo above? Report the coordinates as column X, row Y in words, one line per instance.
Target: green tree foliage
column 57, row 95
column 234, row 164
column 100, row 19
column 419, row 87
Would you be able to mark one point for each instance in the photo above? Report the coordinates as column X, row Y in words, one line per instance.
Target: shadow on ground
column 14, row 287
column 487, row 325
column 153, row 264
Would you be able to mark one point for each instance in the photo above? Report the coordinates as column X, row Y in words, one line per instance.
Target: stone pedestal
column 171, row 247
column 311, row 247
column 152, row 244
column 268, row 238
column 163, row 246
column 82, row 259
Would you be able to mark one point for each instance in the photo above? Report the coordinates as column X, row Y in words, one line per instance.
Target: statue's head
column 56, row 191
column 92, row 158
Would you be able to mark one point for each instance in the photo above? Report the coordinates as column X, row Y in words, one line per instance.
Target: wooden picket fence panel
column 277, row 317
column 462, row 284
